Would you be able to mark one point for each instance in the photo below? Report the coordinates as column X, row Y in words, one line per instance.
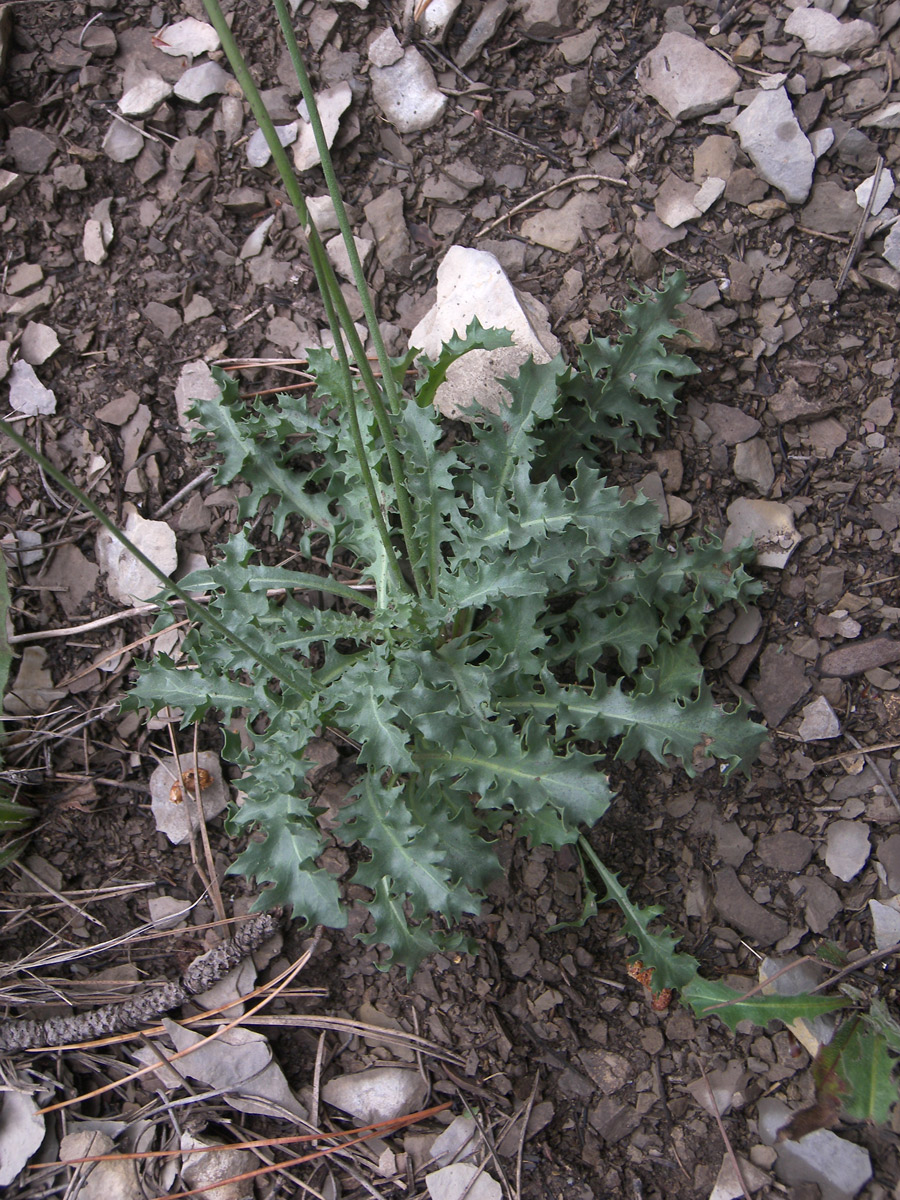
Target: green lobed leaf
column 434, row 372
column 706, row 995
column 408, row 942
column 286, row 859
column 671, row 968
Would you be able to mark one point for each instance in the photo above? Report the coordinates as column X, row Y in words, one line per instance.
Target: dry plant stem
column 339, row 319
column 860, row 229
column 725, row 1137
column 132, row 1014
column 864, row 750
column 554, row 187
column 523, row 1136
column 859, row 965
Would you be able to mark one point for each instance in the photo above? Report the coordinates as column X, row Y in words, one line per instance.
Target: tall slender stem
column 339, row 317
column 330, row 287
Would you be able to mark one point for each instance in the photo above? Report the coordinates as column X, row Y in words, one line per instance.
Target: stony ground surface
column 135, row 251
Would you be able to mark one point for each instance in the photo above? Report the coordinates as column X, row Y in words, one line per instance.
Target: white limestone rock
column 471, row 283
column 332, row 104
column 127, row 579
column 407, row 93
column 823, row 34
column 771, row 135
column 188, row 37
column 27, row 395
column 200, row 82
column 686, row 77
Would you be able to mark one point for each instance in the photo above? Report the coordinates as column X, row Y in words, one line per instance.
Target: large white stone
column 686, row 77
column 127, row 579
column 331, row 103
column 823, row 34
column 407, row 93
column 27, row 394
column 145, row 96
column 779, row 148
column 471, row 283
column 190, row 37
column 197, row 83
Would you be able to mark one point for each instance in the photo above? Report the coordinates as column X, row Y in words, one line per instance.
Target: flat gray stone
column 785, row 851
column 385, row 215
column 782, row 682
column 738, row 908
column 31, row 149
column 730, row 425
column 819, row 721
column 165, row 318
column 858, row 657
column 822, row 903
column 847, row 848
column 823, row 34
column 376, row 1094
column 753, row 464
column 889, row 857
column 840, row 1168
column 778, row 147
column 686, row 77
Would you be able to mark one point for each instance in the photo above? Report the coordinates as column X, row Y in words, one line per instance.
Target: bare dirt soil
column 542, row 1016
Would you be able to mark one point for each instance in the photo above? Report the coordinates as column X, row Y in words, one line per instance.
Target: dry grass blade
column 725, row 1138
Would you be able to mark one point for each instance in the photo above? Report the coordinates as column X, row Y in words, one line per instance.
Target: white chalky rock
column 462, row 1180
column 332, row 104
column 198, row 83
column 823, row 34
column 340, row 259
column 385, row 49
column 190, row 36
column 145, row 96
column 436, row 19
column 258, row 152
column 127, row 579
column 122, row 143
column 820, row 721
column 376, row 1094
column 407, row 93
column 884, row 193
column 779, row 148
column 885, row 921
column 39, row 342
column 27, row 394
column 686, row 77
column 769, row 524
column 471, row 283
